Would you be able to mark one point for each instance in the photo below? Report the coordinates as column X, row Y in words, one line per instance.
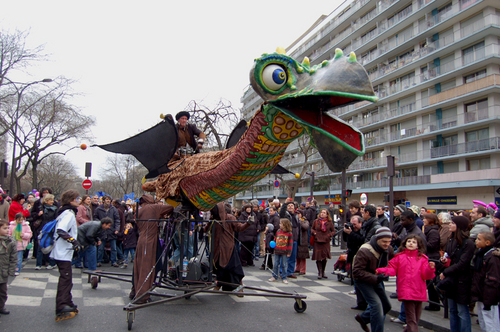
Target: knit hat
column 461, row 222
column 383, row 232
column 497, row 214
column 180, row 114
column 303, row 204
column 270, row 227
column 415, row 209
column 400, row 207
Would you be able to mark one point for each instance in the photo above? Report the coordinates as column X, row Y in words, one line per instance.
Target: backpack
column 46, row 237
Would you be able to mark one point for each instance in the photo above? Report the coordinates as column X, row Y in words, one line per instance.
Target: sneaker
column 285, row 281
column 115, row 265
column 16, row 273
column 353, row 292
column 38, row 267
column 397, row 320
column 49, row 267
column 272, row 279
column 124, row 266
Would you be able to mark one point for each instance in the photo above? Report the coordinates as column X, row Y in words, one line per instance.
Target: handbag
column 311, row 240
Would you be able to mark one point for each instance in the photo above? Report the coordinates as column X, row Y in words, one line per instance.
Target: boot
column 319, row 265
column 323, row 267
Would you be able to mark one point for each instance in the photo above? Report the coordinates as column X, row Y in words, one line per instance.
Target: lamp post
column 19, row 96
column 312, row 183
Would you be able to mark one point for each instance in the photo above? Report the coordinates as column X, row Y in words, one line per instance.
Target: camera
column 348, row 225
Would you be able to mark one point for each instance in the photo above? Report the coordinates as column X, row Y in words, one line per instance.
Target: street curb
column 423, row 323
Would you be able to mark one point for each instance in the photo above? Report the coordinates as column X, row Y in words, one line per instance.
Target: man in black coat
column 382, row 219
column 103, row 211
column 370, row 223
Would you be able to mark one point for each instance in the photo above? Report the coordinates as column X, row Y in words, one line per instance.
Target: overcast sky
column 135, row 60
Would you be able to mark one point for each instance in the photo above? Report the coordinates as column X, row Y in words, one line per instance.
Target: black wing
column 236, row 134
column 153, row 148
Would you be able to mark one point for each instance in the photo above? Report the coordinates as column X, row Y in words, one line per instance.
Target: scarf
column 323, row 224
column 18, row 231
column 384, row 254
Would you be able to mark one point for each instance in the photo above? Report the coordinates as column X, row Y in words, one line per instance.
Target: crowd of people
column 451, row 257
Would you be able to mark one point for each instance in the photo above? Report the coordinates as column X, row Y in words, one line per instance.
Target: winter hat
column 383, row 232
column 461, row 222
column 415, row 209
column 180, row 114
column 303, row 204
column 497, row 214
column 270, row 227
column 401, row 207
column 276, row 201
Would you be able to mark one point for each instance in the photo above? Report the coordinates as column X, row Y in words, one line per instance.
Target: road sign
column 363, row 198
column 87, row 184
column 276, row 183
column 407, row 204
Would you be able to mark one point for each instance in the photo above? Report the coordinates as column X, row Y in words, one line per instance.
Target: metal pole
column 343, row 244
column 312, row 186
column 390, row 173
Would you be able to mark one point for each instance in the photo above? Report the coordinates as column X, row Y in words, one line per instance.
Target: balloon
column 297, row 175
column 272, row 244
column 83, row 146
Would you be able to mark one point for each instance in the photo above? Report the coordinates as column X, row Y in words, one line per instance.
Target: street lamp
column 19, row 96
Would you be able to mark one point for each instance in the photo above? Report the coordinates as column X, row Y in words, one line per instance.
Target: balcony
column 483, row 83
column 405, row 181
column 468, row 147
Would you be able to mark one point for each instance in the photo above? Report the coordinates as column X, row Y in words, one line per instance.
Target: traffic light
column 341, row 209
column 348, row 193
column 387, row 198
column 3, row 168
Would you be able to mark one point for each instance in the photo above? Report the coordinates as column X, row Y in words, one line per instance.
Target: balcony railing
column 468, row 147
column 482, row 83
column 397, row 182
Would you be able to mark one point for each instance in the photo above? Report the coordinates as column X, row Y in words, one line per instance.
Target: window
column 408, row 172
column 478, row 164
column 473, row 53
column 477, row 135
column 477, row 110
column 475, row 76
column 448, row 85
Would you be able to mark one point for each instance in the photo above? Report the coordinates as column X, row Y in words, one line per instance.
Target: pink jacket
column 412, row 271
column 26, row 234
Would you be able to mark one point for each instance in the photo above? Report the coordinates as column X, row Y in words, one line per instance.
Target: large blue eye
column 274, row 77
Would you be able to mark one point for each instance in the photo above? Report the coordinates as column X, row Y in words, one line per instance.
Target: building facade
column 435, row 65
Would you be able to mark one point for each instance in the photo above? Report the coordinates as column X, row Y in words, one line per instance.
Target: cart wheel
column 130, row 319
column 298, row 309
column 95, row 282
column 187, row 297
column 340, row 277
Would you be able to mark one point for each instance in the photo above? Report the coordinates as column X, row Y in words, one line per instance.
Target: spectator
column 370, row 223
column 431, row 232
column 481, row 221
column 460, row 250
column 322, row 231
column 355, row 240
column 269, row 232
column 84, row 213
column 20, row 230
column 284, row 240
column 17, row 207
column 89, row 236
column 48, row 212
column 354, row 209
column 121, row 213
column 382, row 219
column 303, row 245
column 261, row 223
column 370, row 256
column 274, row 219
column 8, row 262
column 288, row 211
column 103, row 211
column 265, row 221
column 444, row 232
column 397, row 227
column 129, row 243
column 496, row 229
column 248, row 236
column 94, row 203
column 418, row 221
column 4, row 207
column 423, row 210
column 409, row 227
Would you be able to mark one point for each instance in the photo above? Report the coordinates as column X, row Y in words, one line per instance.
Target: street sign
column 87, row 184
column 363, row 198
column 276, row 184
column 407, row 204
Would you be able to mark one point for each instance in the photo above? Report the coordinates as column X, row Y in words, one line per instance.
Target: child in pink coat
column 20, row 230
column 412, row 269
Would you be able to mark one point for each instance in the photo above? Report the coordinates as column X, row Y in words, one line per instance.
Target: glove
column 487, row 307
column 382, row 277
column 76, row 245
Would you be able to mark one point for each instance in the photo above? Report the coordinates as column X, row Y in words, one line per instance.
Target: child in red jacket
column 282, row 250
column 412, row 269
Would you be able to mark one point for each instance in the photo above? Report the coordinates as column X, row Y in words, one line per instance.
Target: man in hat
column 369, row 257
column 187, row 133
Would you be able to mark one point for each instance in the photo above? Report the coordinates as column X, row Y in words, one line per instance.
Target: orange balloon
column 83, row 146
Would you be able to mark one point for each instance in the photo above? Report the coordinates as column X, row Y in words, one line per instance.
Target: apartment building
column 435, row 65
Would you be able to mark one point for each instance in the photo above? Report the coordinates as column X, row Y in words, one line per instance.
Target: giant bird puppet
column 296, row 97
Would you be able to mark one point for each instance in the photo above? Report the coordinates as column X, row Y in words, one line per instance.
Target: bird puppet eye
column 274, row 77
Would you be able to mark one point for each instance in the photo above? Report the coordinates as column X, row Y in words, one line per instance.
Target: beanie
column 383, row 232
column 401, row 207
column 461, row 222
column 270, row 227
column 497, row 214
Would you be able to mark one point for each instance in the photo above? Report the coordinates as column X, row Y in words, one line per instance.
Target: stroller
column 342, row 268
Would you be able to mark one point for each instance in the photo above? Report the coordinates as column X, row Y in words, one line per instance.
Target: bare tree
column 216, row 122
column 121, row 175
column 56, row 172
column 306, row 150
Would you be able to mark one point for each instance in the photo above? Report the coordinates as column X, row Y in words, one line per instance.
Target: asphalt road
column 32, row 305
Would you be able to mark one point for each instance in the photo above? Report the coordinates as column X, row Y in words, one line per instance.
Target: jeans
column 100, row 251
column 188, row 247
column 291, row 260
column 378, row 304
column 280, row 261
column 119, row 250
column 20, row 254
column 39, row 258
column 459, row 317
column 256, row 247
column 90, row 257
column 126, row 252
column 402, row 313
